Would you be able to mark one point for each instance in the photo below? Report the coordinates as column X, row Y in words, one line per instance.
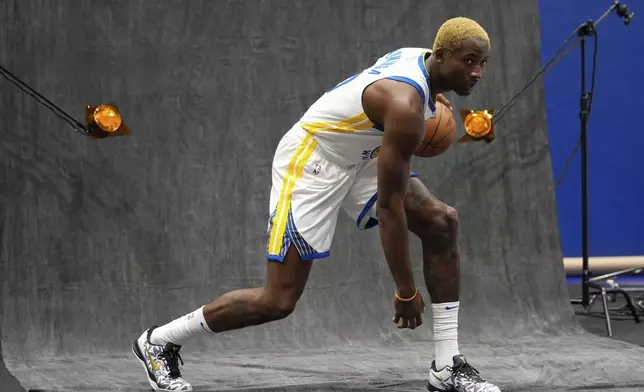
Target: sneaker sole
column 139, row 356
column 432, row 388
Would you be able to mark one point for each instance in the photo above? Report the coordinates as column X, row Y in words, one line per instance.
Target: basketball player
column 352, row 150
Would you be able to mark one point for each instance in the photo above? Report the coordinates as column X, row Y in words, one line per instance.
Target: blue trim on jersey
column 372, row 221
column 379, row 127
column 421, row 64
column 293, row 237
column 313, row 256
column 274, row 258
column 316, row 256
column 366, row 208
column 346, row 81
column 411, row 82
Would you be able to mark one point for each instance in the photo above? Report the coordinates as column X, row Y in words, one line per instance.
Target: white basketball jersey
column 344, row 133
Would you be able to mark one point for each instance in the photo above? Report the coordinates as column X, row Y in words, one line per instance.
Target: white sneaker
column 461, row 377
column 161, row 364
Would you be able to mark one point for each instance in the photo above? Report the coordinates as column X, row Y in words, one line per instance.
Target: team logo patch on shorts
column 370, row 154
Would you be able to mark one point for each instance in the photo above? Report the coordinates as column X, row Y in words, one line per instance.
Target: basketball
column 440, row 131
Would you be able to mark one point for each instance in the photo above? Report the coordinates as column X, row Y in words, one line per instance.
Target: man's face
column 463, row 66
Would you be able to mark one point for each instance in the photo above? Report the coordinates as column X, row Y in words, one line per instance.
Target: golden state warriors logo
column 370, row 154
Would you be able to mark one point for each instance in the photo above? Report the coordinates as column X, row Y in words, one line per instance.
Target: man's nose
column 477, row 72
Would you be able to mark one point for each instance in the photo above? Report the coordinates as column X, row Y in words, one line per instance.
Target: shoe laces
column 466, row 370
column 172, row 357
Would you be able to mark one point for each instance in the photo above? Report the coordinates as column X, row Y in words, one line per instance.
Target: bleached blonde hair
column 454, row 30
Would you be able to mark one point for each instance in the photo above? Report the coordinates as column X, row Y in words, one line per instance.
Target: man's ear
column 440, row 54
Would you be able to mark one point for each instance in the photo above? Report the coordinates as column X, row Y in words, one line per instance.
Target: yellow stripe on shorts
column 295, row 168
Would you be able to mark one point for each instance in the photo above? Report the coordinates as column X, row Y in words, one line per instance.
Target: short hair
column 455, row 30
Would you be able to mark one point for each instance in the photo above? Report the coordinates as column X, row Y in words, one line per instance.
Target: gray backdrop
column 100, row 239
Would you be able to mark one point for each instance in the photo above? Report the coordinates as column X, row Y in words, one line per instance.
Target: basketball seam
column 440, row 116
column 447, row 134
column 439, row 140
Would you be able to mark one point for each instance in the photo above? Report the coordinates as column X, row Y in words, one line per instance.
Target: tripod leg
column 591, row 302
column 609, row 329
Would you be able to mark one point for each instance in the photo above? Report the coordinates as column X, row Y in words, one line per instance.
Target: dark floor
column 623, row 325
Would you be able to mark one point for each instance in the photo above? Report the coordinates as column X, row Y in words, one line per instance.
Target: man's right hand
column 409, row 314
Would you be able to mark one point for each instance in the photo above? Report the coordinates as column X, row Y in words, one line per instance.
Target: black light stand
column 587, row 29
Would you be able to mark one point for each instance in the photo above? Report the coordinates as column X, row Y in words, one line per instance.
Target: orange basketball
column 440, row 131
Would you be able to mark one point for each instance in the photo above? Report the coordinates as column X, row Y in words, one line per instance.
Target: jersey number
column 389, row 60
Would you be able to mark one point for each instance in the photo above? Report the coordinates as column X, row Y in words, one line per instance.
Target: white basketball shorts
column 307, row 194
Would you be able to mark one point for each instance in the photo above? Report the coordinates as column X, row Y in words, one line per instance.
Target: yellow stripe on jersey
column 295, row 168
column 353, row 120
column 355, row 123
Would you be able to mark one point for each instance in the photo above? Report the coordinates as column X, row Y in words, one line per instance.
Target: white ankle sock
column 445, row 333
column 181, row 329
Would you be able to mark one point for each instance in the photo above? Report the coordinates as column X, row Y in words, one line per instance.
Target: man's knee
column 451, row 217
column 285, row 284
column 280, row 305
column 437, row 221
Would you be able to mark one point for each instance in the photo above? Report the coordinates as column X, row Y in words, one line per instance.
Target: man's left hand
column 441, row 98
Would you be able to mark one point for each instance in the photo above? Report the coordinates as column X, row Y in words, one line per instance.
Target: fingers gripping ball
column 440, row 132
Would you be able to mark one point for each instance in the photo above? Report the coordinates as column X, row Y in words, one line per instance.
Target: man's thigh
column 360, row 203
column 306, row 195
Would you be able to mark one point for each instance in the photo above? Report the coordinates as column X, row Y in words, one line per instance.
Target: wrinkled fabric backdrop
column 102, row 238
